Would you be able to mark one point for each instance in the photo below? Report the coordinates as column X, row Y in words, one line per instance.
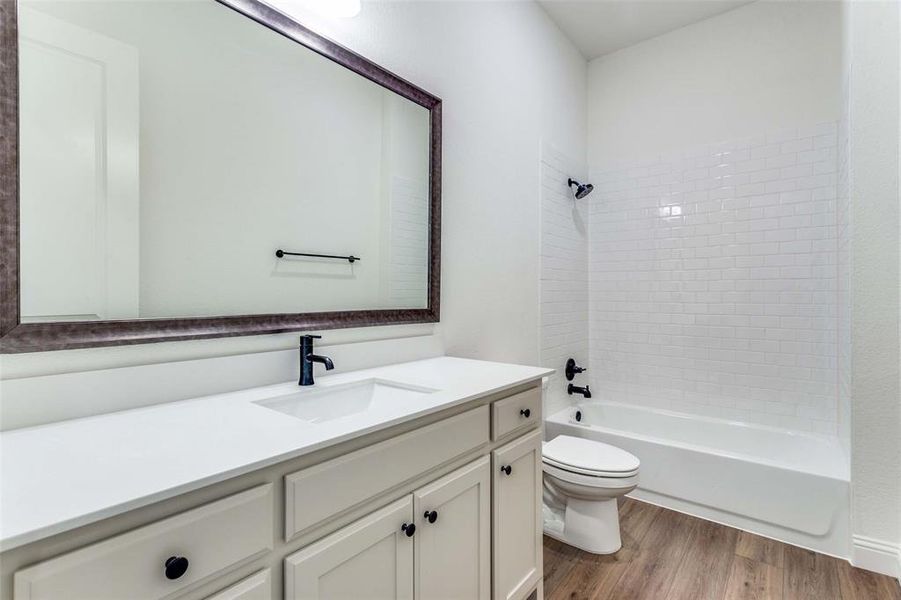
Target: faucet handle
column 572, row 369
column 310, row 336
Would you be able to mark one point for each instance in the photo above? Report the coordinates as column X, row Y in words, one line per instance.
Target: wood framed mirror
column 245, row 177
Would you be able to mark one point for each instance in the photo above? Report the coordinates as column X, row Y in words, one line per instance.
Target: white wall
column 508, row 79
column 845, row 245
column 764, row 66
column 876, row 358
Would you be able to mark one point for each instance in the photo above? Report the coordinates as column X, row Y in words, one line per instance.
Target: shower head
column 582, row 189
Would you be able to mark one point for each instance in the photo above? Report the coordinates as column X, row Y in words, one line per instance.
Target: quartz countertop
column 56, row 477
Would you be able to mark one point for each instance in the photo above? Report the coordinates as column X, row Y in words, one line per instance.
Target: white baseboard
column 876, row 555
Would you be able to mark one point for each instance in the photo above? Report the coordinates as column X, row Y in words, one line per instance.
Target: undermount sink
column 319, row 405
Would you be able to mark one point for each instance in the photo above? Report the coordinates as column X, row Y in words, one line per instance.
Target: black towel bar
column 351, row 259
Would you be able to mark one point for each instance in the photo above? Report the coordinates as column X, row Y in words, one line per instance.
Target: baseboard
column 875, row 555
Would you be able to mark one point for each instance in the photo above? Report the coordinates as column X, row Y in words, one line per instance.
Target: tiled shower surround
column 713, row 281
column 564, row 275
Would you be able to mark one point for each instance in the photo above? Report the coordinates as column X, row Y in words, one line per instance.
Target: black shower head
column 582, row 189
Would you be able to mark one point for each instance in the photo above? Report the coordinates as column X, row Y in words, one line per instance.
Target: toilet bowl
column 582, row 481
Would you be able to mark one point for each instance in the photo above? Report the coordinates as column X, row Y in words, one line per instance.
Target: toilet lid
column 588, row 456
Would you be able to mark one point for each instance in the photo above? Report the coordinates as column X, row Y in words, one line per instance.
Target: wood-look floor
column 670, row 556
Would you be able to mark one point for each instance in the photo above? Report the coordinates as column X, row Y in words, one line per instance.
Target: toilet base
column 590, row 525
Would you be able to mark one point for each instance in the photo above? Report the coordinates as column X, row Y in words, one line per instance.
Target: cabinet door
column 371, row 558
column 453, row 535
column 256, row 587
column 516, row 514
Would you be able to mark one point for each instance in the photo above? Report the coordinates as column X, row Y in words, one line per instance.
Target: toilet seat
column 590, row 482
column 589, row 473
column 589, row 458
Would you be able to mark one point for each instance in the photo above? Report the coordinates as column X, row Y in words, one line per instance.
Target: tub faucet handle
column 572, row 369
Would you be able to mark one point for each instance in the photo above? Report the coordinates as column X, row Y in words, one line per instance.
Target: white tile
column 728, row 307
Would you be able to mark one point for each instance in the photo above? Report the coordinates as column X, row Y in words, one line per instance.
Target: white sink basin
column 371, row 396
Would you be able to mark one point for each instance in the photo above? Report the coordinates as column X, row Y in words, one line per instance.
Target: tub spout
column 575, row 389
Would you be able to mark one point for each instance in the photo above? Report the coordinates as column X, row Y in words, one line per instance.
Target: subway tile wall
column 713, row 280
column 408, row 249
column 564, row 274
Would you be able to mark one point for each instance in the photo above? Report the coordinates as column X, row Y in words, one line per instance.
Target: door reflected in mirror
column 169, row 149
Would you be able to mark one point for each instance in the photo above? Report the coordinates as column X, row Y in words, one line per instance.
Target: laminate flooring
column 671, row 556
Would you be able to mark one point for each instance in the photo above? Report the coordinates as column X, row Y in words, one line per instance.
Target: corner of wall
column 875, row 88
column 876, row 555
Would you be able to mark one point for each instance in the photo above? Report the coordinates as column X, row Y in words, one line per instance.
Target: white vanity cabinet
column 434, row 543
column 516, row 515
column 256, row 587
column 371, row 558
column 160, row 559
column 444, row 506
column 315, row 494
column 452, row 544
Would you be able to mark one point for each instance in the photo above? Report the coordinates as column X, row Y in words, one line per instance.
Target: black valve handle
column 507, row 469
column 431, row 516
column 176, row 566
column 409, row 529
column 572, row 369
column 526, row 413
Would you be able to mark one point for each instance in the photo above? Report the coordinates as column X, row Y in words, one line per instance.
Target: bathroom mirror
column 203, row 168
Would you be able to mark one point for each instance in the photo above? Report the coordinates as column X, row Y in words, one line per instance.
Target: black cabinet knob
column 176, row 566
column 507, row 469
column 526, row 413
column 431, row 516
column 408, row 528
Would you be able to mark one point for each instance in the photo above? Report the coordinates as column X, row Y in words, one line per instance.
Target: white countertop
column 60, row 476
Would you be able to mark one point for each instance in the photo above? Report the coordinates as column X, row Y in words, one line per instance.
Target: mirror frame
column 16, row 336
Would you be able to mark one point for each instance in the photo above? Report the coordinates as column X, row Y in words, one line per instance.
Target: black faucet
column 307, row 358
column 574, row 389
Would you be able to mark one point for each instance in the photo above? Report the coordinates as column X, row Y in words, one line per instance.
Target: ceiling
column 599, row 27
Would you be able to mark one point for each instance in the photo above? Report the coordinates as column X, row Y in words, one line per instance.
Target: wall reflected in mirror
column 168, row 149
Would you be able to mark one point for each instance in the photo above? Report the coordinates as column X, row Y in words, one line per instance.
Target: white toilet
column 582, row 480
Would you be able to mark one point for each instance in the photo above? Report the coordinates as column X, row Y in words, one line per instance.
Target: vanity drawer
column 322, row 491
column 519, row 411
column 212, row 538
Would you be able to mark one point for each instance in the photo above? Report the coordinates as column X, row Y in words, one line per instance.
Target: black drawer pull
column 409, row 529
column 431, row 516
column 507, row 469
column 526, row 413
column 176, row 566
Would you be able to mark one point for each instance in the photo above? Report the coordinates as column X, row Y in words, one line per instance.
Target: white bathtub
column 789, row 486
